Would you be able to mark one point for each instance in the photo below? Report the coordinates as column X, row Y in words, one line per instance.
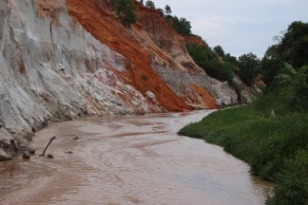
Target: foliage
column 271, row 63
column 182, row 26
column 168, row 10
column 292, row 48
column 290, row 94
column 227, row 70
column 293, row 188
column 294, row 44
column 219, row 51
column 230, row 59
column 272, row 102
column 125, row 11
column 150, row 4
column 275, row 147
column 161, row 12
column 293, row 85
column 249, row 66
column 209, row 61
column 270, row 134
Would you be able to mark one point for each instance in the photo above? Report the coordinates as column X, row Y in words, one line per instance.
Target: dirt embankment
column 172, row 46
column 101, row 23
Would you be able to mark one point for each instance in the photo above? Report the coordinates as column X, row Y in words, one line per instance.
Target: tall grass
column 275, row 145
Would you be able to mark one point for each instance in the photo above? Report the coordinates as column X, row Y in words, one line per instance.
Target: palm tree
column 294, row 84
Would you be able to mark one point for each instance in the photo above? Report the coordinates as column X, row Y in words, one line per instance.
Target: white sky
column 239, row 26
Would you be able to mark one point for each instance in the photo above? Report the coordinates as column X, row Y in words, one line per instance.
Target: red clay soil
column 104, row 27
column 209, row 101
column 163, row 34
column 160, row 30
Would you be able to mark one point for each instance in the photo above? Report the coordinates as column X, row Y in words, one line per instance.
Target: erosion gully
column 128, row 160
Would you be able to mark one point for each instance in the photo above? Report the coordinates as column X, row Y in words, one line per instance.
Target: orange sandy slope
column 210, row 101
column 104, row 27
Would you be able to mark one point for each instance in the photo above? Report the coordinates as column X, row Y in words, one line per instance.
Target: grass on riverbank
column 275, row 147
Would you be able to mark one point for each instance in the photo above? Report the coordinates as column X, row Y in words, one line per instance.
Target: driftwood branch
column 50, row 141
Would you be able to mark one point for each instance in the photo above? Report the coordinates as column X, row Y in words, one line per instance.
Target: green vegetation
column 216, row 63
column 181, row 25
column 275, row 147
column 125, row 11
column 291, row 48
column 209, row 61
column 249, row 66
column 271, row 134
column 219, row 51
column 150, row 4
column 293, row 85
column 168, row 10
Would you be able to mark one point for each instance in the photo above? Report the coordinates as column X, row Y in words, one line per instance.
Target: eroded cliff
column 63, row 59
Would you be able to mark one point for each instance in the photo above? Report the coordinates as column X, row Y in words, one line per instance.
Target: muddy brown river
column 128, row 160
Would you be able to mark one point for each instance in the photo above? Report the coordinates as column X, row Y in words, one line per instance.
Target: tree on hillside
column 168, row 10
column 249, row 66
column 182, row 26
column 125, row 11
column 292, row 48
column 271, row 64
column 231, row 59
column 161, row 12
column 219, row 51
column 294, row 44
column 208, row 60
column 150, row 4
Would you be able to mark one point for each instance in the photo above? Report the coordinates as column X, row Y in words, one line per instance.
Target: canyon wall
column 61, row 60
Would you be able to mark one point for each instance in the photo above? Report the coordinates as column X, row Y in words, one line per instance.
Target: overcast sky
column 239, row 26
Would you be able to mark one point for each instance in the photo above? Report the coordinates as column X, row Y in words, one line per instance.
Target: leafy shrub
column 275, row 147
column 209, row 61
column 181, row 25
column 292, row 47
column 286, row 136
column 125, row 11
column 293, row 85
column 272, row 103
column 249, row 66
column 150, row 4
column 219, row 51
column 293, row 188
column 270, row 134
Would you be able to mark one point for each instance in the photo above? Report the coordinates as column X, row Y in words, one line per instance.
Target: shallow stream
column 128, row 160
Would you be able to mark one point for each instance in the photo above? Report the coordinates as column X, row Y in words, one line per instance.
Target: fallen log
column 50, row 141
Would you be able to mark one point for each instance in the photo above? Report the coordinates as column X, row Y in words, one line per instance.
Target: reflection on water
column 128, row 160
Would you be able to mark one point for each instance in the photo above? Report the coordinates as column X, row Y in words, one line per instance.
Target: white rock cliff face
column 55, row 71
column 181, row 81
column 52, row 69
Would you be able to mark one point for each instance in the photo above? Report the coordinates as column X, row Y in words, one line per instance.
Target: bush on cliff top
column 125, row 11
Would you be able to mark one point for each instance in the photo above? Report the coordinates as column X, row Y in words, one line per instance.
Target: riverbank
column 275, row 147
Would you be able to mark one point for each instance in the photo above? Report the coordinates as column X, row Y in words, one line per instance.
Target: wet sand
column 128, row 160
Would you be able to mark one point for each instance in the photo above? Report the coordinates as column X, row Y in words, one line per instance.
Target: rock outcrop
column 63, row 59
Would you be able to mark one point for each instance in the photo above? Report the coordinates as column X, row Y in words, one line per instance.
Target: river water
column 128, row 160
